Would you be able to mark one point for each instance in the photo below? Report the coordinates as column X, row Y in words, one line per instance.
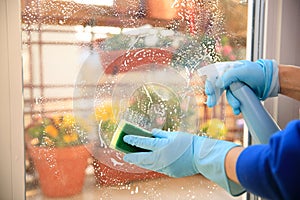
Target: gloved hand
column 261, row 76
column 179, row 154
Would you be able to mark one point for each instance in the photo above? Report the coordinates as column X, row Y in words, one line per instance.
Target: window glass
column 88, row 66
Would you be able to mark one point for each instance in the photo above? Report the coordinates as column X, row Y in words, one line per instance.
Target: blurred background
column 57, row 38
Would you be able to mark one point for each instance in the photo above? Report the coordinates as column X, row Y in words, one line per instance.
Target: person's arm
column 289, row 81
column 269, row 170
column 230, row 163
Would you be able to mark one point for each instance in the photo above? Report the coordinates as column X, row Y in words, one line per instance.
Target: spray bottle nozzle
column 213, row 72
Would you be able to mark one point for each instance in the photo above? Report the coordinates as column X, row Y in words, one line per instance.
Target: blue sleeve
column 272, row 171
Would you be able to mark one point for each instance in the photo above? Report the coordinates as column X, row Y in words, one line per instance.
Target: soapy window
column 87, row 65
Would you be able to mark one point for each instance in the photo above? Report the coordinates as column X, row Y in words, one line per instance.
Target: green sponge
column 126, row 128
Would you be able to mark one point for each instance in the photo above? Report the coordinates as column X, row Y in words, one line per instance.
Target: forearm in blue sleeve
column 272, row 170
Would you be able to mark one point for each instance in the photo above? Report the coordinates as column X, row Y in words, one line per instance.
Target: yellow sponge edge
column 127, row 128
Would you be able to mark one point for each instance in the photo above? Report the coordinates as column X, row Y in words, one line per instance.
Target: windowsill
column 195, row 187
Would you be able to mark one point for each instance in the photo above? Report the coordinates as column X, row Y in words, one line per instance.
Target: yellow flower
column 104, row 113
column 68, row 121
column 57, row 120
column 214, row 128
column 70, row 137
column 51, row 131
column 60, row 131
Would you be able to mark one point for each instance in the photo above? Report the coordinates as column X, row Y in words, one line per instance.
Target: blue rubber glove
column 261, row 76
column 179, row 154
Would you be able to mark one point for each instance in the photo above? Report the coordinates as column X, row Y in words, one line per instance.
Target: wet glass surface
column 87, row 67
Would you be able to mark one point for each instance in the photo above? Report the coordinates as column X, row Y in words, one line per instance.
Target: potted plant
column 59, row 156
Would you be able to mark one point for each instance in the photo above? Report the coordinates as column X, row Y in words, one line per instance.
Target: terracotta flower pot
column 125, row 6
column 161, row 9
column 61, row 170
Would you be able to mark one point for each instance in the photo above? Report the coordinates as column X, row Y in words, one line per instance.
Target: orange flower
column 51, row 131
column 70, row 137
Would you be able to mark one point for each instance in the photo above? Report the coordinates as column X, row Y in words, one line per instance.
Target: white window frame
column 11, row 103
